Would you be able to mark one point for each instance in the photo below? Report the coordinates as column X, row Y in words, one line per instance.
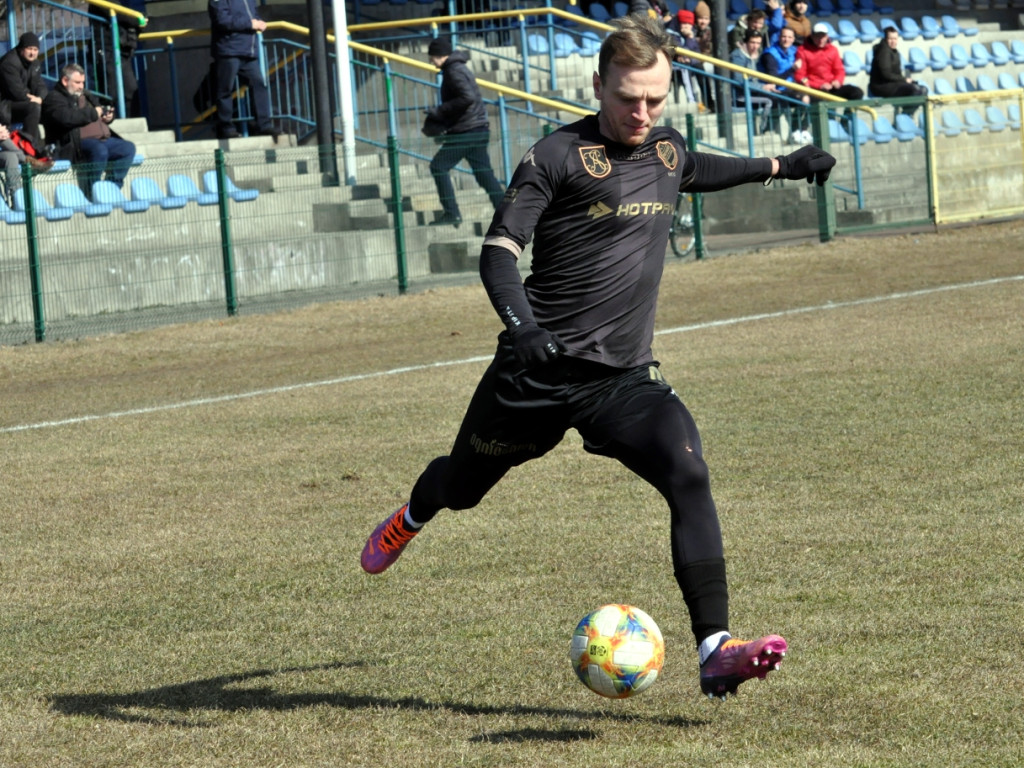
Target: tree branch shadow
column 173, row 704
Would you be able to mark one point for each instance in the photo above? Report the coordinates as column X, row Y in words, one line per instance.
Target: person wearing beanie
column 467, row 133
column 795, row 16
column 686, row 40
column 702, row 31
column 21, row 85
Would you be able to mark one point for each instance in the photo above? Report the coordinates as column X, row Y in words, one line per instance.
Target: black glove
column 534, row 346
column 808, row 163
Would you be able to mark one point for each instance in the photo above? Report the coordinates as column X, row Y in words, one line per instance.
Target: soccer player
column 597, row 198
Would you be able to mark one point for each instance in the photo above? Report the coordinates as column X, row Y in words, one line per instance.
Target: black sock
column 706, row 595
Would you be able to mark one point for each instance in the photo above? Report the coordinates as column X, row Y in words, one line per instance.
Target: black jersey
column 599, row 215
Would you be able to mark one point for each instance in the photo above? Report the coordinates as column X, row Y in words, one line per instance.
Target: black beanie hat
column 28, row 40
column 439, row 46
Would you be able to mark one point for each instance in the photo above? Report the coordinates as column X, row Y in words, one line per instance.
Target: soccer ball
column 617, row 651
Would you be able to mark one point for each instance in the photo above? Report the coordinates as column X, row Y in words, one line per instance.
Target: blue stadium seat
column 145, row 188
column 863, row 130
column 620, row 9
column 906, row 128
column 917, row 60
column 1013, row 114
column 236, row 194
column 852, row 63
column 179, row 185
column 973, row 121
column 1000, row 53
column 909, row 28
column 951, row 124
column 869, row 7
column 590, row 43
column 565, row 46
column 938, row 59
column 109, row 193
column 942, row 86
column 823, row 8
column 736, row 9
column 846, row 32
column 598, row 12
column 958, row 57
column 986, row 83
column 41, row 206
column 1017, row 51
column 930, row 27
column 60, row 166
column 845, row 7
column 980, row 57
column 996, row 119
column 537, row 44
column 569, row 23
column 964, row 85
column 882, row 130
column 869, row 31
column 1006, row 81
column 836, row 132
column 71, row 196
column 951, row 28
column 9, row 216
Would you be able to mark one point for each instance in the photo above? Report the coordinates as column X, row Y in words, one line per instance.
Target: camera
column 108, row 110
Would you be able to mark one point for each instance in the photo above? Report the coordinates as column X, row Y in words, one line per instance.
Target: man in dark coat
column 106, row 60
column 467, row 131
column 21, row 84
column 80, row 127
column 887, row 80
column 234, row 44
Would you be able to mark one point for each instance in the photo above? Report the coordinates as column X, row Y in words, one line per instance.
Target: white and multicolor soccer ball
column 617, row 651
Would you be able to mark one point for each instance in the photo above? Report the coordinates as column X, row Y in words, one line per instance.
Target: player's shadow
column 182, row 704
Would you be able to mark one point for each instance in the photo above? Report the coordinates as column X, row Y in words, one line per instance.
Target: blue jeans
column 113, row 155
column 471, row 145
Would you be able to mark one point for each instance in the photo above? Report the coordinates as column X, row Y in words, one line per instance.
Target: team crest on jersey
column 668, row 155
column 595, row 161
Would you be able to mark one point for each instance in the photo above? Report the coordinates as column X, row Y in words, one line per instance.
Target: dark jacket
column 232, row 34
column 127, row 29
column 63, row 120
column 19, row 78
column 462, row 106
column 886, row 70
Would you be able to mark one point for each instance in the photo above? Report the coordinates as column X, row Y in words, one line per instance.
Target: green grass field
column 183, row 510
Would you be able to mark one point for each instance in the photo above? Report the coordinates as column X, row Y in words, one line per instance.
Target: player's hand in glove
column 535, row 346
column 808, row 163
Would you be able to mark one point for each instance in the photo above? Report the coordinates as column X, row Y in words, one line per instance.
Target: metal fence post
column 700, row 250
column 34, row 265
column 226, row 247
column 394, row 165
column 826, row 195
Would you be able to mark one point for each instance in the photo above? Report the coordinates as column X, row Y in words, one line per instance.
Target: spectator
column 106, row 65
column 656, row 9
column 780, row 61
column 702, row 31
column 79, row 126
column 687, row 41
column 819, row 66
column 234, row 45
column 21, row 84
column 887, row 79
column 467, row 132
column 795, row 17
column 765, row 23
column 748, row 55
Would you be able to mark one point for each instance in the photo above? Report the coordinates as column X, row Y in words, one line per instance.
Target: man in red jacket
column 819, row 66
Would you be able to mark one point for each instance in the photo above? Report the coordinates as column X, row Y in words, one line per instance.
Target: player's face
column 632, row 99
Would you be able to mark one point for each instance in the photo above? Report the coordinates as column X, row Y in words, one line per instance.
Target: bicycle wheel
column 681, row 234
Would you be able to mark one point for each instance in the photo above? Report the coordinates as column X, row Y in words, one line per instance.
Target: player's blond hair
column 635, row 42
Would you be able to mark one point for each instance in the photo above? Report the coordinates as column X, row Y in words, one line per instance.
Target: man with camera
column 79, row 126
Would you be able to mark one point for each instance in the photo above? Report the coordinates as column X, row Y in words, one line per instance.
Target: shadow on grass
column 534, row 734
column 182, row 704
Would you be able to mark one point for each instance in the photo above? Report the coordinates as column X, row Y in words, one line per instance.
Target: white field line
column 469, row 360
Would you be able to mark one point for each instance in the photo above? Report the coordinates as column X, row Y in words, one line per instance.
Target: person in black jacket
column 21, row 84
column 887, row 80
column 467, row 131
column 106, row 61
column 80, row 127
column 234, row 42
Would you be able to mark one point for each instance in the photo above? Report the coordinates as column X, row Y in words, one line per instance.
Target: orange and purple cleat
column 736, row 661
column 387, row 541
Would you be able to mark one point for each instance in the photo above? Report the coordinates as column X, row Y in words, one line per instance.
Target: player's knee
column 689, row 470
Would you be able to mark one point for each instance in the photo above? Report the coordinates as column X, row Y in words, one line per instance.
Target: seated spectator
column 887, row 79
column 747, row 55
column 780, row 61
column 794, row 16
column 766, row 23
column 702, row 31
column 687, row 41
column 819, row 66
column 80, row 127
column 656, row 9
column 21, row 84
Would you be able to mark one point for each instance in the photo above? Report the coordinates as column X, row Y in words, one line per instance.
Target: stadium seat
column 869, row 31
column 1006, row 81
column 917, row 60
column 951, row 28
column 1013, row 114
column 565, row 46
column 107, row 192
column 845, row 7
column 930, row 27
column 620, row 9
column 995, row 118
column 951, row 124
column 9, row 216
column 145, row 188
column 568, row 23
column 179, row 185
column 938, row 59
column 41, row 206
column 60, row 166
column 737, row 8
column 598, row 12
column 71, row 196
column 1017, row 51
column 869, row 7
column 964, row 85
column 980, row 57
column 942, row 86
column 973, row 121
column 882, row 130
column 909, row 28
column 236, row 194
column 906, row 129
column 823, row 8
column 958, row 57
column 836, row 132
column 846, row 32
column 590, row 43
column 537, row 44
column 986, row 83
column 852, row 63
column 1000, row 53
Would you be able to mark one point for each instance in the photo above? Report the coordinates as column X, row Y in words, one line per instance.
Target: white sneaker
column 806, row 137
column 796, row 137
